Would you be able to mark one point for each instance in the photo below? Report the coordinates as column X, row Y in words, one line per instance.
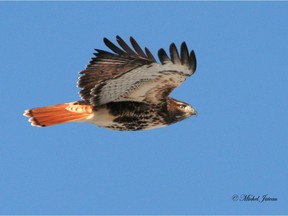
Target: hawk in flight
column 126, row 90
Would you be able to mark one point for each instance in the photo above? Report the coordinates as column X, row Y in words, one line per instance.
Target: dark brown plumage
column 126, row 89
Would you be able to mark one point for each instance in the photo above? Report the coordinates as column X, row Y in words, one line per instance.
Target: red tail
column 58, row 114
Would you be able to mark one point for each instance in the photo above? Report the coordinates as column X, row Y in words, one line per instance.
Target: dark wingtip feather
column 184, row 55
column 150, row 55
column 137, row 48
column 193, row 61
column 124, row 46
column 163, row 56
column 174, row 54
column 127, row 50
column 99, row 51
column 113, row 47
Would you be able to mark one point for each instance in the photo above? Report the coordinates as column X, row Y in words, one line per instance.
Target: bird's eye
column 181, row 106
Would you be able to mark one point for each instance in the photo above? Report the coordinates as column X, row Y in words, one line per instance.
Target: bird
column 126, row 89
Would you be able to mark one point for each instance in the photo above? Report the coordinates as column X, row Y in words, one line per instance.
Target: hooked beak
column 191, row 111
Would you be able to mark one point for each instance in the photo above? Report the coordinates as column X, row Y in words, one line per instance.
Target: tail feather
column 58, row 114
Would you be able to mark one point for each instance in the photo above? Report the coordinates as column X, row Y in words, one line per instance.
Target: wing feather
column 149, row 55
column 124, row 45
column 113, row 47
column 163, row 57
column 174, row 54
column 193, row 61
column 137, row 48
column 184, row 55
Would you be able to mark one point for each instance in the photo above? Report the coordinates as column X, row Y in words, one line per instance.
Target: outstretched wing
column 128, row 75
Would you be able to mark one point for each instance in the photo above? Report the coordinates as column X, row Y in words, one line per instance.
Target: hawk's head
column 179, row 110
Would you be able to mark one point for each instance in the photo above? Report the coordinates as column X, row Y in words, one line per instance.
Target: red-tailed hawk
column 126, row 90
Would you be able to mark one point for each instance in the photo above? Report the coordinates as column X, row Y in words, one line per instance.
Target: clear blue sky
column 236, row 145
